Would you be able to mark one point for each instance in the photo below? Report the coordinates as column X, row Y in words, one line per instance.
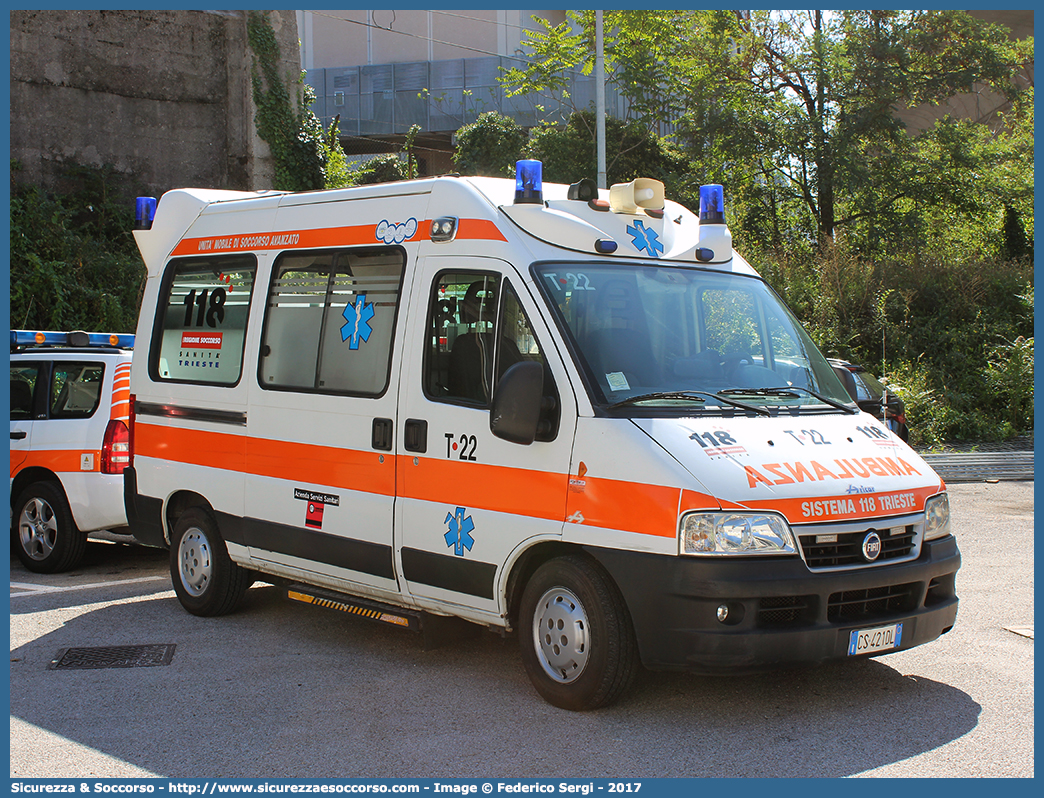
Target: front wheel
column 205, row 579
column 46, row 537
column 577, row 643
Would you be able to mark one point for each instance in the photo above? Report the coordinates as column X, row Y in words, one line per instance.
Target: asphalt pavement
column 281, row 690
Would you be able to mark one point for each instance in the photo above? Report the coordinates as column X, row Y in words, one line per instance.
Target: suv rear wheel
column 45, row 536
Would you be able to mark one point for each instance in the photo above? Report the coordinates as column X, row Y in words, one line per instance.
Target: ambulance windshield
column 676, row 336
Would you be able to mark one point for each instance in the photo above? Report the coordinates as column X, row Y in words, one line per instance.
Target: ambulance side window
column 458, row 361
column 477, row 330
column 201, row 327
column 330, row 321
column 517, row 343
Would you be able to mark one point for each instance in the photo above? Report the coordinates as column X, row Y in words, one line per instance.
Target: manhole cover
column 112, row 657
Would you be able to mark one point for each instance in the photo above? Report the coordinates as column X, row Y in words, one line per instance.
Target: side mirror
column 847, row 380
column 515, row 415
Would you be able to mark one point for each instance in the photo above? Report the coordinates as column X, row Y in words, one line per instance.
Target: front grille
column 824, row 549
column 785, row 610
column 871, row 603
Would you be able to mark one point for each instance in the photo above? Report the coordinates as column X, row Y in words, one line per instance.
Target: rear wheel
column 45, row 536
column 577, row 643
column 205, row 579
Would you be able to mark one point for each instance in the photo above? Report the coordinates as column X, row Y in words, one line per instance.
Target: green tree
column 379, row 169
column 795, row 111
column 489, row 146
column 306, row 157
column 808, row 100
column 637, row 46
column 74, row 263
column 568, row 154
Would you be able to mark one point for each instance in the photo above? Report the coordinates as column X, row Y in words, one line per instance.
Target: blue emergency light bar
column 76, row 338
column 712, row 204
column 144, row 213
column 529, row 182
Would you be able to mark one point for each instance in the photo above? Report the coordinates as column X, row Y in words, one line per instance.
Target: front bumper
column 780, row 613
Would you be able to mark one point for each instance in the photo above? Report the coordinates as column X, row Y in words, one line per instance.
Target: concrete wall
column 163, row 97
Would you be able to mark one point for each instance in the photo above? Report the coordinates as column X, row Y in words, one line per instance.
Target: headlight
column 735, row 533
column 937, row 517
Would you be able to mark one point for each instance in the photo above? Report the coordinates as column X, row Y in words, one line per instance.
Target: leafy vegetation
column 74, row 264
column 306, row 157
column 489, row 146
column 909, row 251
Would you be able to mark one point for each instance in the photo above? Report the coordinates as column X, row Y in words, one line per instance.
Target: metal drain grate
column 113, row 657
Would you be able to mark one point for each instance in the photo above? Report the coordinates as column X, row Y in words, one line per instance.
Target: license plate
column 882, row 638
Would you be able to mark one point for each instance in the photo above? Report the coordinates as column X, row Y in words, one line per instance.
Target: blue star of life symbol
column 645, row 238
column 357, row 319
column 460, row 529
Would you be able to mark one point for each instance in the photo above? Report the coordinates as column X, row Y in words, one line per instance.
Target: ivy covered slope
column 74, row 263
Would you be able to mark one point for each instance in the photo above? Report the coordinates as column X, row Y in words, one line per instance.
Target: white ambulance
column 571, row 414
column 70, row 400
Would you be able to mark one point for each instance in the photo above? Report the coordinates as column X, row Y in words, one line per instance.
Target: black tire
column 578, row 646
column 205, row 579
column 44, row 534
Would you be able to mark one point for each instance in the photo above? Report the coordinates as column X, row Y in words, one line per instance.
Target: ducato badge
column 871, row 546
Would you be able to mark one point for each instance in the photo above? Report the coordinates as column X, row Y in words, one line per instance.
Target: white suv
column 70, row 395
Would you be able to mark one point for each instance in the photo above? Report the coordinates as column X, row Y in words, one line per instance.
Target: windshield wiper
column 789, row 391
column 692, row 396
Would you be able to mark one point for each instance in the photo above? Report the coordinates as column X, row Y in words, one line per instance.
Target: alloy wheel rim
column 37, row 529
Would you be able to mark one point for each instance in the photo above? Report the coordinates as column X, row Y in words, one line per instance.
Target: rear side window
column 23, row 385
column 330, row 321
column 203, row 320
column 75, row 389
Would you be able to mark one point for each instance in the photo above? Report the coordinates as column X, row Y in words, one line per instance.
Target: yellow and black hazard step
column 372, row 610
column 437, row 630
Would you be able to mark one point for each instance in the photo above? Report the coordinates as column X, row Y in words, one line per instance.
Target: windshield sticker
column 357, row 318
column 460, row 529
column 645, row 239
column 617, row 381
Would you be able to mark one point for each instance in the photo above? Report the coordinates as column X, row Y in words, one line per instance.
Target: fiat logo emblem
column 871, row 546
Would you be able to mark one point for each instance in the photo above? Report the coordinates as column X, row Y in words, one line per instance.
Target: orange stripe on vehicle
column 478, row 229
column 120, row 407
column 350, row 469
column 536, row 494
column 56, row 460
column 628, row 506
column 324, row 237
column 694, row 500
column 848, row 506
column 302, row 462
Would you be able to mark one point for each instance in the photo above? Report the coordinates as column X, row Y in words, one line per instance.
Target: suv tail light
column 115, row 453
